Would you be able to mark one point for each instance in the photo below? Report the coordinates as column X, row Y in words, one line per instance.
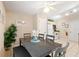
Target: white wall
column 14, row 18
column 73, row 21
column 2, row 28
column 35, row 22
column 42, row 23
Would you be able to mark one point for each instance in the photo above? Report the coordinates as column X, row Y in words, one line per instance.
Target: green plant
column 9, row 36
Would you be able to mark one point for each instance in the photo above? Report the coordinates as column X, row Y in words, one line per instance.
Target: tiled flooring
column 73, row 49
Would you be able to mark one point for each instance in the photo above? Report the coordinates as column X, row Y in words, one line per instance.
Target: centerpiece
column 35, row 37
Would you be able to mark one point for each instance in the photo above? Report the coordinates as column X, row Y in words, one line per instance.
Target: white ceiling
column 33, row 7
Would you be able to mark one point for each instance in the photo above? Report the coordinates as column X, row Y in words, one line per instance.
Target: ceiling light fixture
column 67, row 14
column 74, row 10
column 46, row 9
column 23, row 22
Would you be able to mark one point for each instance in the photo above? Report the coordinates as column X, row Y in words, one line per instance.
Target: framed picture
column 65, row 25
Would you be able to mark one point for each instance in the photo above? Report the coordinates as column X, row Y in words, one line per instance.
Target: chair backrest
column 27, row 35
column 41, row 36
column 50, row 38
column 61, row 51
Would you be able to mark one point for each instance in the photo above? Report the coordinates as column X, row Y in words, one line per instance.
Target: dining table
column 40, row 49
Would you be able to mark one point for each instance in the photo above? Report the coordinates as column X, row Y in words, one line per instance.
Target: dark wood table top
column 40, row 49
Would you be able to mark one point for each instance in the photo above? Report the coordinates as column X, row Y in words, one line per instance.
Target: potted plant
column 9, row 36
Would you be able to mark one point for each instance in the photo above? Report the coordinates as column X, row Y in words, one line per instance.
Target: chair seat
column 20, row 51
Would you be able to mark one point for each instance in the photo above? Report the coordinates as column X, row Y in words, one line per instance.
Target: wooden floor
column 8, row 53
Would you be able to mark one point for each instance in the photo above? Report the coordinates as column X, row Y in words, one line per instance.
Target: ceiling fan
column 50, row 6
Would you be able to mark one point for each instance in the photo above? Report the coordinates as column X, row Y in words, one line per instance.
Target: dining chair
column 41, row 36
column 61, row 51
column 50, row 38
column 26, row 38
column 27, row 35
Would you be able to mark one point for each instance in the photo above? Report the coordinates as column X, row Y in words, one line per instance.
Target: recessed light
column 74, row 10
column 46, row 10
column 23, row 22
column 66, row 14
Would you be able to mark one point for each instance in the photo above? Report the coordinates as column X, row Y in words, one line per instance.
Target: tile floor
column 73, row 49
